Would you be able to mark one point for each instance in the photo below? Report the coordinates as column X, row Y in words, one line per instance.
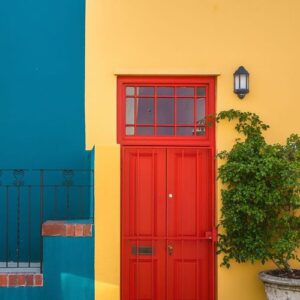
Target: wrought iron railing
column 30, row 197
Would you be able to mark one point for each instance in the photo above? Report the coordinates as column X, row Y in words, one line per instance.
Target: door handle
column 170, row 249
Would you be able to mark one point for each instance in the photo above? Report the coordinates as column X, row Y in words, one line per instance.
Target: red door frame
column 175, row 142
column 200, row 141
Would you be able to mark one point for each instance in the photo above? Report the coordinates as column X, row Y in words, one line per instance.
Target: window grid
column 197, row 127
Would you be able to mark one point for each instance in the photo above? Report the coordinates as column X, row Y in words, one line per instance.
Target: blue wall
column 42, row 83
column 42, row 118
column 68, row 272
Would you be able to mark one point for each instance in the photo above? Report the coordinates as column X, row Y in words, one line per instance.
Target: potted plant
column 260, row 219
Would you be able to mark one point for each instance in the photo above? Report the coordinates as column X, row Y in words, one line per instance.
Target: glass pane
column 185, row 131
column 165, row 131
column 145, row 130
column 243, row 81
column 185, row 91
column 185, row 111
column 200, row 131
column 145, row 91
column 130, row 111
column 129, row 130
column 200, row 111
column 165, row 110
column 165, row 91
column 200, row 91
column 145, row 111
column 237, row 82
column 129, row 91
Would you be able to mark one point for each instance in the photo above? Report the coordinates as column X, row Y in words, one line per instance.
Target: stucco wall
column 42, row 84
column 186, row 37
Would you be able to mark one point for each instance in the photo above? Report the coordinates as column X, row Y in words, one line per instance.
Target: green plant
column 260, row 217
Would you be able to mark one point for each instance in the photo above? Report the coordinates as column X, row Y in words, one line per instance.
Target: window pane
column 129, row 130
column 185, row 131
column 165, row 131
column 165, row 91
column 130, row 111
column 200, row 91
column 185, row 111
column 200, row 111
column 185, row 91
column 129, row 91
column 145, row 130
column 145, row 111
column 145, row 91
column 165, row 110
column 200, row 131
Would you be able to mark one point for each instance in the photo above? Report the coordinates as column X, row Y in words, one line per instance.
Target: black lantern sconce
column 241, row 82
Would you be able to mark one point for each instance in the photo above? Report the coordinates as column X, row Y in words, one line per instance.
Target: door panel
column 189, row 270
column 143, row 275
column 189, row 209
column 167, row 250
column 143, row 223
column 144, row 188
column 188, row 224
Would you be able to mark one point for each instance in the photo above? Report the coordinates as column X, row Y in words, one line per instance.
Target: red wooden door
column 167, row 250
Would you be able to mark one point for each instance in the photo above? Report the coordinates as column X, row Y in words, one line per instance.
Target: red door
column 167, row 224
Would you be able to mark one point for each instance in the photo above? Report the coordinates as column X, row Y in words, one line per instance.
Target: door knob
column 170, row 249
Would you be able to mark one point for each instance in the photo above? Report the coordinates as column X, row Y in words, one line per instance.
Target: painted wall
column 68, row 272
column 186, row 37
column 41, row 105
column 42, row 84
column 42, row 126
column 68, row 268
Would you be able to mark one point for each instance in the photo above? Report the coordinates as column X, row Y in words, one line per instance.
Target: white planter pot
column 278, row 288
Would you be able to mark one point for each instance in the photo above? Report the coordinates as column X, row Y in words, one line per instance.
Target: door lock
column 170, row 249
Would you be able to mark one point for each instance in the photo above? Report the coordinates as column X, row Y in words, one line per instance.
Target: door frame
column 145, row 142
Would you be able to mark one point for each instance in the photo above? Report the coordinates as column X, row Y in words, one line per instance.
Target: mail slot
column 142, row 250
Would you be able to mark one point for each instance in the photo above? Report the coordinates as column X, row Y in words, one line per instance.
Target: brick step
column 21, row 280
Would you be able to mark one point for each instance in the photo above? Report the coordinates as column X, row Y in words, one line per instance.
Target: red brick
column 16, row 280
column 70, row 229
column 3, row 280
column 38, row 280
column 29, row 280
column 54, row 229
column 79, row 229
column 87, row 231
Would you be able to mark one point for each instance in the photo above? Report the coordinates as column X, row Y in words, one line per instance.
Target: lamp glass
column 237, row 81
column 243, row 81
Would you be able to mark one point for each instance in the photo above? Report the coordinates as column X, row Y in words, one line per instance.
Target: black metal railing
column 30, row 197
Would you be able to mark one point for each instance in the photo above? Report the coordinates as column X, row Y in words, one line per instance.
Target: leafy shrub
column 260, row 217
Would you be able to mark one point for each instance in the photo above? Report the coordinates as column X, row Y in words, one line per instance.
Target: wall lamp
column 241, row 82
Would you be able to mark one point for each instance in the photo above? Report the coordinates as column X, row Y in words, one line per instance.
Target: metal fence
column 30, row 197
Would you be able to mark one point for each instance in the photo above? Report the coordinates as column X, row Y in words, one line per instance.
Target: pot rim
column 267, row 278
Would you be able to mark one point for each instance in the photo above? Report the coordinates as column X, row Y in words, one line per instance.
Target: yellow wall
column 186, row 37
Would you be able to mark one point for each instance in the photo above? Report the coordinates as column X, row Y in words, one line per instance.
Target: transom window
column 167, row 109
